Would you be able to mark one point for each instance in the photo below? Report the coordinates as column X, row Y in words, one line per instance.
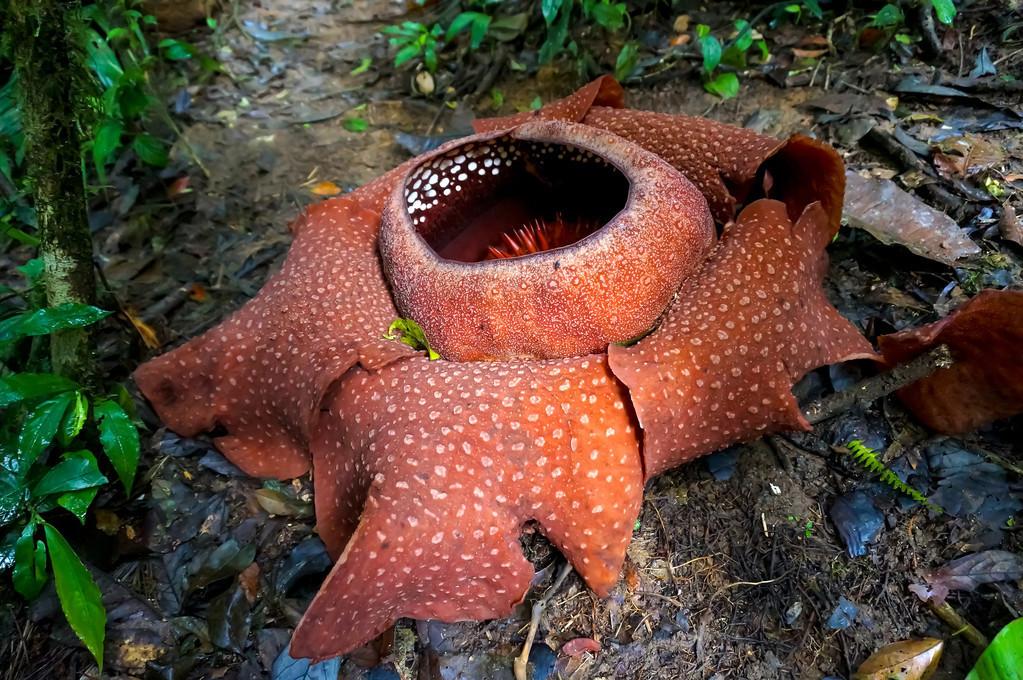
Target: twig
column 875, row 387
column 958, row 624
column 522, row 660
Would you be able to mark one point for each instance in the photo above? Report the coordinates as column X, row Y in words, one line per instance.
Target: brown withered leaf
column 969, row 572
column 893, row 216
column 1009, row 225
column 904, row 660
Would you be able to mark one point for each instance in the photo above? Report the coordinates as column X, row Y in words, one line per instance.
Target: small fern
column 867, row 458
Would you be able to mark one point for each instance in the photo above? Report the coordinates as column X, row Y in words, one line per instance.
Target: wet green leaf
column 24, row 386
column 945, row 10
column 889, row 15
column 49, row 319
column 120, row 440
column 74, row 419
column 1003, row 658
column 74, row 473
column 79, row 597
column 40, row 427
column 550, row 9
column 29, row 563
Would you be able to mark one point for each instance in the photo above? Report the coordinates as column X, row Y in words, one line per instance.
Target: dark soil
column 729, row 578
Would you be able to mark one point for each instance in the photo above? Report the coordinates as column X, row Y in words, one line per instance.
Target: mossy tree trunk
column 48, row 71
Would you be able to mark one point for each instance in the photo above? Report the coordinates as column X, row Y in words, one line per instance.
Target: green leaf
column 79, row 597
column 509, row 27
column 550, row 9
column 476, row 22
column 625, row 64
column 744, row 39
column 78, row 502
column 49, row 319
column 74, row 473
column 29, row 564
column 176, row 50
column 710, row 48
column 536, row 104
column 74, row 419
column 903, row 39
column 22, row 386
column 406, row 53
column 105, row 143
column 724, row 85
column 212, row 23
column 33, row 269
column 889, row 15
column 355, row 124
column 39, row 429
column 609, row 16
column 1003, row 658
column 120, row 440
column 20, row 236
column 410, row 333
column 363, row 66
column 150, row 150
column 945, row 10
column 557, row 32
column 814, row 7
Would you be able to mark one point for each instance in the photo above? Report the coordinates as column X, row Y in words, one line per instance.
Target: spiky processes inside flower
column 510, row 198
column 540, row 235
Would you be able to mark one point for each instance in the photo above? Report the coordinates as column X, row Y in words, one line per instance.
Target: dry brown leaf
column 249, row 582
column 1009, row 225
column 807, row 54
column 893, row 216
column 681, row 24
column 905, row 660
column 969, row 572
column 145, row 331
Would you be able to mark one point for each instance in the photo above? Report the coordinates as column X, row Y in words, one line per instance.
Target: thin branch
column 522, row 660
column 880, row 385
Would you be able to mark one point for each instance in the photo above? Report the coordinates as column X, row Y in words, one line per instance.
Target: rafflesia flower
column 594, row 330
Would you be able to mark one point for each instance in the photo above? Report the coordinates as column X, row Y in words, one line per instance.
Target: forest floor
column 740, row 565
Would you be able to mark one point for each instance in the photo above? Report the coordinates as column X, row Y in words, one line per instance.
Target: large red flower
column 532, row 254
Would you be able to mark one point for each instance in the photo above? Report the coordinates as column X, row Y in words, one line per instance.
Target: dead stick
column 880, row 385
column 522, row 660
column 958, row 624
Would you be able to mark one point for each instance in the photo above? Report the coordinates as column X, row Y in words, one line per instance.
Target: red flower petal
column 449, row 460
column 262, row 373
column 986, row 381
column 720, row 368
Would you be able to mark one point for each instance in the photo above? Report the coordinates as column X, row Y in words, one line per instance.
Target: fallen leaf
column 579, row 645
column 969, row 572
column 179, row 186
column 197, row 293
column 249, row 581
column 893, row 216
column 681, row 24
column 807, row 54
column 326, row 188
column 277, row 503
column 145, row 331
column 905, row 660
column 1009, row 225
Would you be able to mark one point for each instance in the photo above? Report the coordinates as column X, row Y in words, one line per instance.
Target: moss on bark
column 48, row 69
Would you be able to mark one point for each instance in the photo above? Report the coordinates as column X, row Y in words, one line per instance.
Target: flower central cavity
column 547, row 241
column 508, row 197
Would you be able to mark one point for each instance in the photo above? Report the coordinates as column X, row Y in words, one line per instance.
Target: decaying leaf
column 969, row 572
column 893, row 216
column 1009, row 225
column 145, row 331
column 905, row 660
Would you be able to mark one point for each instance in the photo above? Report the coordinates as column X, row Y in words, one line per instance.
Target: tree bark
column 46, row 63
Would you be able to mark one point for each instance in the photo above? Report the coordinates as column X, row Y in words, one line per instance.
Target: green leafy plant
column 415, row 41
column 867, row 458
column 121, row 106
column 1003, row 658
column 51, row 430
column 408, row 332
